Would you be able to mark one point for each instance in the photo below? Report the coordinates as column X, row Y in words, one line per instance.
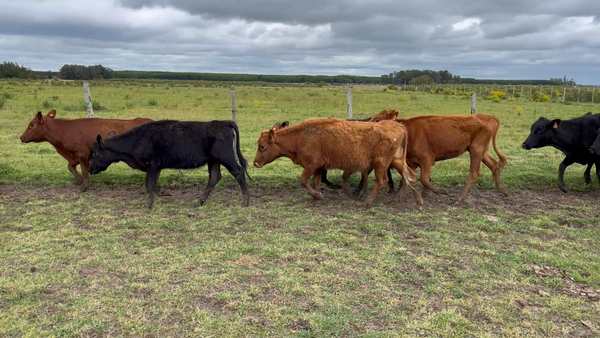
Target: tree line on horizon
column 403, row 77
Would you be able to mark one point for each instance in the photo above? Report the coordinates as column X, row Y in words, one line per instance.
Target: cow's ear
column 394, row 114
column 52, row 113
column 555, row 123
column 100, row 141
column 39, row 116
column 271, row 135
column 284, row 124
column 112, row 134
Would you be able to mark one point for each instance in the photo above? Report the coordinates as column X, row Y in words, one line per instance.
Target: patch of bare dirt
column 570, row 286
column 300, row 324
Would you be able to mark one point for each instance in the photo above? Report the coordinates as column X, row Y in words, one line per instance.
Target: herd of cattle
column 381, row 143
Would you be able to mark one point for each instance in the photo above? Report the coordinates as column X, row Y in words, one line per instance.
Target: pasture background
column 100, row 264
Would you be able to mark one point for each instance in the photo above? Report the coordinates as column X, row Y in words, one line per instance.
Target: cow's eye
column 93, row 154
column 31, row 125
column 539, row 131
column 263, row 148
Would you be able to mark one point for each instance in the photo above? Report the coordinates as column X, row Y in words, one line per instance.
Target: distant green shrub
column 152, row 102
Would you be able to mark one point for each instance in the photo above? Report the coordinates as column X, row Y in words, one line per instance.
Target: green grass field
column 99, row 264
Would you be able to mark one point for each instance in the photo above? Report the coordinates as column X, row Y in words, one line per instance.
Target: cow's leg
column 214, row 176
column 152, row 183
column 380, row 180
column 390, row 180
column 476, row 159
column 240, row 176
column 306, row 174
column 491, row 163
column 586, row 174
column 408, row 177
column 363, row 185
column 426, row 164
column 317, row 179
column 85, row 167
column 73, row 169
column 346, row 184
column 561, row 173
column 324, row 179
column 148, row 187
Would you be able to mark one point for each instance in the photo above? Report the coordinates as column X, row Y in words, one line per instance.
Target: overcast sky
column 497, row 39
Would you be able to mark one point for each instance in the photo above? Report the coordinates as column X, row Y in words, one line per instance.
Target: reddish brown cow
column 73, row 139
column 339, row 144
column 436, row 138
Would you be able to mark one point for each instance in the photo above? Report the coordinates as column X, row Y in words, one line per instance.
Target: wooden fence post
column 593, row 92
column 88, row 99
column 233, row 110
column 473, row 103
column 564, row 93
column 578, row 92
column 349, row 96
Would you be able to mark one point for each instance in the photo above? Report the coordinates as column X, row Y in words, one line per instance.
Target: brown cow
column 339, row 144
column 73, row 139
column 383, row 115
column 435, row 138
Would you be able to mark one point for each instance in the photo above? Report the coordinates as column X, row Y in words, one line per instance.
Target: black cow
column 175, row 145
column 573, row 137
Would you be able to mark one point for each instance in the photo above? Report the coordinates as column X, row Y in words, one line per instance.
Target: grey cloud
column 506, row 39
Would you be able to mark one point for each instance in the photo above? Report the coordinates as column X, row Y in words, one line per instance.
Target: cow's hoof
column 246, row 201
column 588, row 180
column 564, row 188
column 200, row 203
column 83, row 188
column 391, row 191
column 317, row 196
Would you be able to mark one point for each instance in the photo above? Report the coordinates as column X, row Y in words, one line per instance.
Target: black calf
column 573, row 137
column 175, row 145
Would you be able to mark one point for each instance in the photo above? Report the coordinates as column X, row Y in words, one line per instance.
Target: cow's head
column 542, row 133
column 595, row 147
column 101, row 157
column 268, row 151
column 37, row 130
column 385, row 115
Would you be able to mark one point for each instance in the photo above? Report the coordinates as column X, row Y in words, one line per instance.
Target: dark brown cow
column 339, row 144
column 435, row 138
column 73, row 139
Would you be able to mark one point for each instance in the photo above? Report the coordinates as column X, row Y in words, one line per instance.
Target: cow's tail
column 410, row 179
column 239, row 158
column 501, row 158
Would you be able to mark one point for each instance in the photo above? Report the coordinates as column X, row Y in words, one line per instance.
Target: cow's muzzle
column 525, row 146
column 258, row 165
column 594, row 151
